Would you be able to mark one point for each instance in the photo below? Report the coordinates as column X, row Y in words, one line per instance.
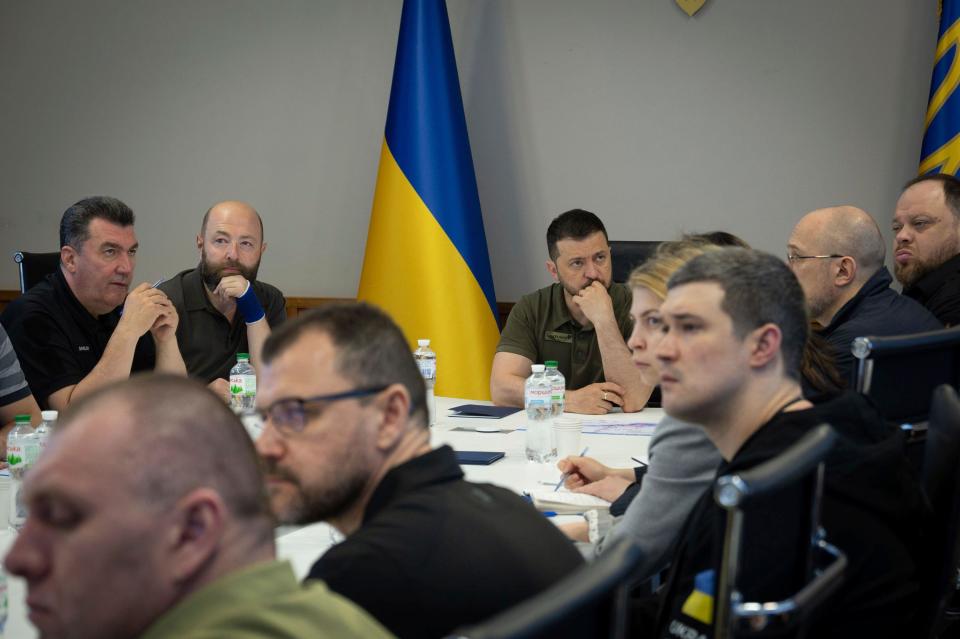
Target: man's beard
column 573, row 291
column 910, row 273
column 211, row 274
column 312, row 504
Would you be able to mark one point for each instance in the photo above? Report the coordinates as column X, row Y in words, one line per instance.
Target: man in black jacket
column 346, row 441
column 735, row 328
column 837, row 255
column 926, row 224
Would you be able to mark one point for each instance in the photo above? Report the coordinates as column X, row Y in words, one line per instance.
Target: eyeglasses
column 792, row 259
column 290, row 414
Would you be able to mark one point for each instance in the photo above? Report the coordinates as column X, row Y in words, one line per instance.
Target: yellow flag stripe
column 413, row 271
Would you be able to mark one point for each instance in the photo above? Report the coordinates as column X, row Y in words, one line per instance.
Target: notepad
column 483, row 412
column 566, row 502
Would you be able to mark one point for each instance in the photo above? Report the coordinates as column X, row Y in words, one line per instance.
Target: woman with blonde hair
column 682, row 461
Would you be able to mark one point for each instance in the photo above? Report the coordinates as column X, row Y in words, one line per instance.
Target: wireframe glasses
column 793, row 259
column 291, row 414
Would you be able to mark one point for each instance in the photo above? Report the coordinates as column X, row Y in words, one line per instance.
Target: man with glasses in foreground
column 346, row 441
column 837, row 255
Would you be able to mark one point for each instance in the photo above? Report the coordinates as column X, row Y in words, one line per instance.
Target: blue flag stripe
column 427, row 133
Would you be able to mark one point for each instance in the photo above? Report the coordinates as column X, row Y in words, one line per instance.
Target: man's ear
column 263, row 248
column 196, row 532
column 846, row 271
column 199, row 242
column 68, row 257
column 552, row 269
column 764, row 343
column 395, row 415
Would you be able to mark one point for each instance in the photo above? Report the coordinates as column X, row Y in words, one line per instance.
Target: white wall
column 742, row 118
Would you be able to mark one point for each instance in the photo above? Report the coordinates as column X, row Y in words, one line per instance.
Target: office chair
column 626, row 254
column 34, row 267
column 941, row 481
column 825, row 564
column 900, row 372
column 590, row 602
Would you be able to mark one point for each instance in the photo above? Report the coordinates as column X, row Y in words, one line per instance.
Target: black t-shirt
column 436, row 552
column 58, row 342
column 872, row 510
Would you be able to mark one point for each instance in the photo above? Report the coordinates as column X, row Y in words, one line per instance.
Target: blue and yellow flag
column 426, row 261
column 941, row 138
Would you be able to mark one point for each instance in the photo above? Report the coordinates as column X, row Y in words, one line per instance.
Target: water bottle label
column 243, row 385
column 428, row 368
column 15, row 455
column 538, row 396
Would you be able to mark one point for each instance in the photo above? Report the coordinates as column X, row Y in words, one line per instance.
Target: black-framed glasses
column 793, row 259
column 290, row 414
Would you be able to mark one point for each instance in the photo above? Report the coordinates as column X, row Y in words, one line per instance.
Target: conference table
column 613, row 439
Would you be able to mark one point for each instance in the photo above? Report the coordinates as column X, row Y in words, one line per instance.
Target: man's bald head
column 844, row 230
column 231, row 207
column 173, row 436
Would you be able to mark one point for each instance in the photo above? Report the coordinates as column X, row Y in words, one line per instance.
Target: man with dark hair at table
column 837, row 255
column 224, row 309
column 926, row 244
column 346, row 441
column 81, row 327
column 148, row 518
column 735, row 326
column 582, row 321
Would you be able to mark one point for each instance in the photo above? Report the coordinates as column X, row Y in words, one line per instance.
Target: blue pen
column 549, row 513
column 564, row 476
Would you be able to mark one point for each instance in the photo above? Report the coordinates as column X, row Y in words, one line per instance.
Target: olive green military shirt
column 265, row 600
column 541, row 328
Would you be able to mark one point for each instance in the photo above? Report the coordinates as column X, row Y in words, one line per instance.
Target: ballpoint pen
column 563, row 477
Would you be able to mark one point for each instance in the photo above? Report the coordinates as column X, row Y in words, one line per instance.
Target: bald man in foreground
column 223, row 308
column 148, row 518
column 837, row 255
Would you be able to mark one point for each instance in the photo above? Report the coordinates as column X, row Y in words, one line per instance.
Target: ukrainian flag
column 426, row 260
column 941, row 139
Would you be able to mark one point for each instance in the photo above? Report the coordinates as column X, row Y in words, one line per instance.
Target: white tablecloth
column 303, row 545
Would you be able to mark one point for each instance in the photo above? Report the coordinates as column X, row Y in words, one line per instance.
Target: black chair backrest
column 626, row 254
column 823, row 565
column 941, row 480
column 34, row 267
column 590, row 602
column 899, row 373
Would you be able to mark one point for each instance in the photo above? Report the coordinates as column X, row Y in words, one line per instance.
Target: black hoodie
column 872, row 509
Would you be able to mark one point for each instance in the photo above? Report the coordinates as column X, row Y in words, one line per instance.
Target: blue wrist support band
column 249, row 306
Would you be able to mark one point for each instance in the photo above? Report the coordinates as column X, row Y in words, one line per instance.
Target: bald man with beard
column 837, row 254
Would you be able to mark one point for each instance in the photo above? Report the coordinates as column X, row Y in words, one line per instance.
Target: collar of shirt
column 559, row 313
column 436, row 467
column 195, row 294
column 927, row 285
column 878, row 282
column 79, row 313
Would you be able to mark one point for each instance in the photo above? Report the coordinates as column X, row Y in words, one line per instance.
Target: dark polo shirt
column 939, row 291
column 208, row 342
column 541, row 328
column 58, row 341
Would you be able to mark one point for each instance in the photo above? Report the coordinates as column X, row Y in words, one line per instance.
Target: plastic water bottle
column 427, row 362
column 45, row 429
column 558, row 386
column 243, row 385
column 22, row 452
column 536, row 399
